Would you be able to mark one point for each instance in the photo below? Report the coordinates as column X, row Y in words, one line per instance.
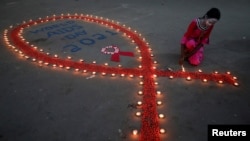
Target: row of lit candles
column 188, row 78
column 101, row 18
column 62, row 15
column 139, row 114
column 135, row 132
column 86, row 18
column 106, row 64
column 81, row 60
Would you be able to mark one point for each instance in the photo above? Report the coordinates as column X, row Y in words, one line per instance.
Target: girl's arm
column 204, row 41
column 193, row 51
column 183, row 54
column 188, row 33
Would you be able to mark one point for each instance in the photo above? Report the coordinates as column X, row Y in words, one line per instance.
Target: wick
column 183, row 69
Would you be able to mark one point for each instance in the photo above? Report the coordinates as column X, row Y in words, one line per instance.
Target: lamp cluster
column 146, row 71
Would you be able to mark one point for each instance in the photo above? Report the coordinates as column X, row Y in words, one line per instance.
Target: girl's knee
column 196, row 63
column 195, row 60
column 190, row 44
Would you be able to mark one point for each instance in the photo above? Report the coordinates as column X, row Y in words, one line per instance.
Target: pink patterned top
column 197, row 32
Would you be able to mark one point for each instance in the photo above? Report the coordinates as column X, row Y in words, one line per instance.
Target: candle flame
column 183, row 69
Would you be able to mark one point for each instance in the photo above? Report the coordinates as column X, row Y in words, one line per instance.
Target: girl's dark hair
column 213, row 13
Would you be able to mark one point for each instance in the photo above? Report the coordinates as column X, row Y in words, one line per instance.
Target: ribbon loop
column 115, row 55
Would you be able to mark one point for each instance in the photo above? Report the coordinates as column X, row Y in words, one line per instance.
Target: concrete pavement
column 39, row 104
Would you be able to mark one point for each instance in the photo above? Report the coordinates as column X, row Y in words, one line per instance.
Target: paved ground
column 44, row 104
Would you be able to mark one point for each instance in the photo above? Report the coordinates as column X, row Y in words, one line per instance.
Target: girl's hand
column 183, row 54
